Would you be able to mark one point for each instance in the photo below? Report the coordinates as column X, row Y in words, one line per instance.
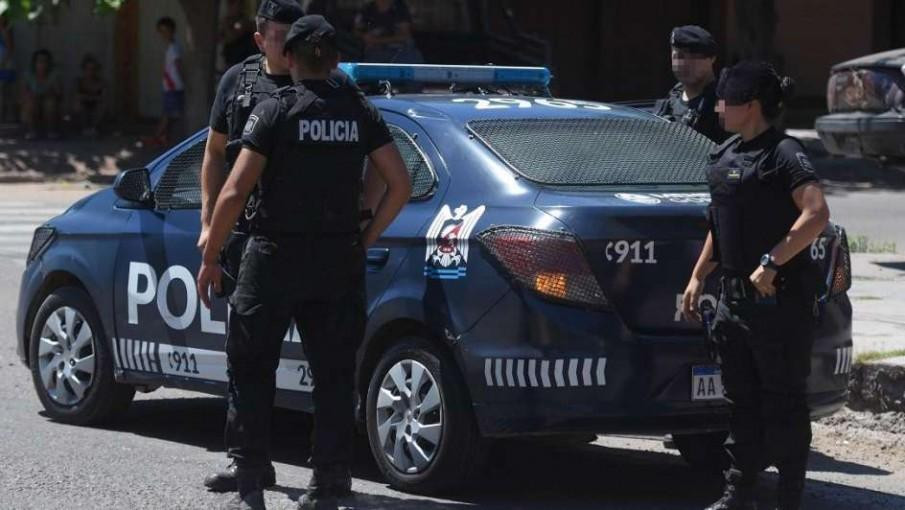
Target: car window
column 180, row 185
column 420, row 171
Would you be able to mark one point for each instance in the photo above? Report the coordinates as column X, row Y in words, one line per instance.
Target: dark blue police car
column 530, row 287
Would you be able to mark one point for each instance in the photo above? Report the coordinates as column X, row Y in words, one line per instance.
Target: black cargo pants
column 765, row 348
column 319, row 282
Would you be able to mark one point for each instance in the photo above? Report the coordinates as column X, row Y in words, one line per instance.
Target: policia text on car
column 305, row 259
column 766, row 207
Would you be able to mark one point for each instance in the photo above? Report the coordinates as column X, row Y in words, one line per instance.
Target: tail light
column 842, row 270
column 552, row 264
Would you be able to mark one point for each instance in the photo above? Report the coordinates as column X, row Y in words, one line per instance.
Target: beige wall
column 151, row 50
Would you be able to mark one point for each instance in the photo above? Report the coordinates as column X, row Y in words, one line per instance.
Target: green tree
column 33, row 9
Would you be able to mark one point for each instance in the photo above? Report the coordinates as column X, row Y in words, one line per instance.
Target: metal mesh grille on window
column 599, row 151
column 180, row 186
column 416, row 163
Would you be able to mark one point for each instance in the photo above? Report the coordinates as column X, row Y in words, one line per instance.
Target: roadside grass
column 869, row 356
column 863, row 244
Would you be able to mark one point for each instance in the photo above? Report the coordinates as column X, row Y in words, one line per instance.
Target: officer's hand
column 762, row 278
column 202, row 239
column 690, row 300
column 208, row 276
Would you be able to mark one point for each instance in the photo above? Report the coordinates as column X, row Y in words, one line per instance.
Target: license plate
column 706, row 383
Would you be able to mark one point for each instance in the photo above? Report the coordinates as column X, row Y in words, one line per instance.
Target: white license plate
column 706, row 383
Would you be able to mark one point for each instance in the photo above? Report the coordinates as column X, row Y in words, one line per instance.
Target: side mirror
column 135, row 186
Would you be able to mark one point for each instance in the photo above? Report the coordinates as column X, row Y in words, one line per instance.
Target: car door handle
column 378, row 257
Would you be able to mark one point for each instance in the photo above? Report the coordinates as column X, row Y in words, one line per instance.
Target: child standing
column 173, row 84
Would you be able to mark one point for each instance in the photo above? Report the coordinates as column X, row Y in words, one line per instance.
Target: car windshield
column 598, row 151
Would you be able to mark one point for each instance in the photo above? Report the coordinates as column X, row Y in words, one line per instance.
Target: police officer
column 767, row 207
column 692, row 100
column 304, row 148
column 240, row 89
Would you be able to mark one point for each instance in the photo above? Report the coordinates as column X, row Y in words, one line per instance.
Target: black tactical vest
column 312, row 182
column 751, row 210
column 250, row 90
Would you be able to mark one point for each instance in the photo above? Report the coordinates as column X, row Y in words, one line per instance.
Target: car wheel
column 704, row 451
column 71, row 363
column 421, row 428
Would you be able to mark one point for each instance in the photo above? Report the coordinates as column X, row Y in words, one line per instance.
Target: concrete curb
column 878, row 386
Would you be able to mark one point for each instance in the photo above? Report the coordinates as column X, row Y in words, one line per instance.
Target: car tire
column 84, row 392
column 704, row 451
column 419, row 465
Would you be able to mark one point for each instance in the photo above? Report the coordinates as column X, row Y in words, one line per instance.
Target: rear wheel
column 421, row 428
column 71, row 364
column 704, row 451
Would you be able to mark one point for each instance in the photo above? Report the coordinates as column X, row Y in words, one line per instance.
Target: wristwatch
column 768, row 262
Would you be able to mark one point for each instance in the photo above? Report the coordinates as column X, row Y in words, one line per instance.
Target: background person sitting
column 41, row 95
column 89, row 96
column 385, row 26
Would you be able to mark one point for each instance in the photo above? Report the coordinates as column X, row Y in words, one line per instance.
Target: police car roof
column 463, row 108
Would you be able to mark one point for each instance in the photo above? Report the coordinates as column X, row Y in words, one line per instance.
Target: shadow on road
column 522, row 474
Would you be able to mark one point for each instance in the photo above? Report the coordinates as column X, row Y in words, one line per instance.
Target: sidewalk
column 878, row 300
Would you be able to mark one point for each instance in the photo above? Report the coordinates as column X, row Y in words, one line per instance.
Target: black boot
column 736, row 496
column 789, row 493
column 225, row 481
column 250, row 496
column 327, row 484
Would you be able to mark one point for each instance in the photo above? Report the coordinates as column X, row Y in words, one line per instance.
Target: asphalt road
column 156, row 456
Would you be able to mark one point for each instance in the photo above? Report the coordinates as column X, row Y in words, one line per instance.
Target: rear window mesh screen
column 601, row 151
column 180, row 186
column 419, row 169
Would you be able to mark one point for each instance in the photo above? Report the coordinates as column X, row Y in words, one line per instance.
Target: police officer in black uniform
column 693, row 99
column 241, row 88
column 304, row 148
column 767, row 207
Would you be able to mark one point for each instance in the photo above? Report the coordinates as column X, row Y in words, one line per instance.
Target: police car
column 530, row 287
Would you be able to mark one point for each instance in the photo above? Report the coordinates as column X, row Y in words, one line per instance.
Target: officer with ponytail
column 304, row 149
column 766, row 208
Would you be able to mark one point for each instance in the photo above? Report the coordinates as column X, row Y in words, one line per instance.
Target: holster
column 708, row 314
column 230, row 260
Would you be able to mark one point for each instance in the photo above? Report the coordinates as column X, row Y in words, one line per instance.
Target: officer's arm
column 389, row 166
column 213, row 175
column 231, row 202
column 815, row 213
column 374, row 188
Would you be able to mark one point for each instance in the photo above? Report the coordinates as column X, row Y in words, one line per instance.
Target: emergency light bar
column 428, row 73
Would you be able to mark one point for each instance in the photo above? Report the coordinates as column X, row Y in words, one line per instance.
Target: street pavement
column 156, row 456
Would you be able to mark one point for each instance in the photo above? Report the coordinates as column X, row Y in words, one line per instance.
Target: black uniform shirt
column 752, row 208
column 697, row 113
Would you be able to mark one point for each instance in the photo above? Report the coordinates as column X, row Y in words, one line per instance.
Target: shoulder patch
column 805, row 162
column 250, row 124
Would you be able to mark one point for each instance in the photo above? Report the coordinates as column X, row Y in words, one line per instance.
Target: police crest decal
column 446, row 255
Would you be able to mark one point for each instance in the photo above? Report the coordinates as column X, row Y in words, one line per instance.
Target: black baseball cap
column 313, row 28
column 281, row 11
column 694, row 39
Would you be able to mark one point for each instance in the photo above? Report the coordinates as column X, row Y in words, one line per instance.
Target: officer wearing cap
column 241, row 88
column 304, row 147
column 692, row 100
column 767, row 207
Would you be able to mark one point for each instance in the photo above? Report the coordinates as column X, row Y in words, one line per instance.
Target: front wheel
column 71, row 364
column 421, row 428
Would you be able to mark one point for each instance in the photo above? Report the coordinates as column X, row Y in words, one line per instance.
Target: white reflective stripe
column 838, row 361
column 509, row 378
column 520, row 372
column 132, row 349
column 499, row 372
column 560, row 379
column 586, row 371
column 848, row 357
column 488, row 371
column 143, row 355
column 545, row 373
column 573, row 372
column 532, row 376
column 122, row 352
column 601, row 371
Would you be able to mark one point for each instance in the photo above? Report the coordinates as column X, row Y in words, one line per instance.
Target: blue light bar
column 428, row 73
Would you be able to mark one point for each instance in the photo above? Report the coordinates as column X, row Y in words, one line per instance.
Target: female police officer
column 766, row 207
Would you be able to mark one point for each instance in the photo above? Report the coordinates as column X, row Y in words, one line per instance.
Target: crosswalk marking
column 18, row 221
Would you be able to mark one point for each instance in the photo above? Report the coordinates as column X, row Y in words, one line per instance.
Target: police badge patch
column 446, row 256
column 250, row 124
column 805, row 162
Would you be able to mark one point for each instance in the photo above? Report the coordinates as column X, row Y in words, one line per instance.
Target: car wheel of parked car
column 704, row 451
column 71, row 363
column 421, row 427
